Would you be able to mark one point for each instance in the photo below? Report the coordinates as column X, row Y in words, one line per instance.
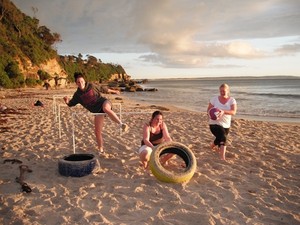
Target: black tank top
column 154, row 137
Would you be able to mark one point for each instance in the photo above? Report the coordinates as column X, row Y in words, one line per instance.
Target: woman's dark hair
column 78, row 75
column 154, row 114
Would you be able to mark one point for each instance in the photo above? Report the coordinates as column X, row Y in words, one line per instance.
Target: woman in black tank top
column 154, row 133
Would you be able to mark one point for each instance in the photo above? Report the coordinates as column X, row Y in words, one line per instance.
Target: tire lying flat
column 165, row 175
column 76, row 165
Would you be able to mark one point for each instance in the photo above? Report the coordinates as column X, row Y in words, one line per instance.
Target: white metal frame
column 73, row 124
column 64, row 105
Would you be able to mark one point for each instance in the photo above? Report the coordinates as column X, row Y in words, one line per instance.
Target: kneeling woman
column 155, row 132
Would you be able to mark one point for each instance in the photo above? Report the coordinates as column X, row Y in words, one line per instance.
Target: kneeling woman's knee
column 145, row 150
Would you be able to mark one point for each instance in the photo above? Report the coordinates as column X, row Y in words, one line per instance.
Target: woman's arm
column 209, row 107
column 146, row 136
column 166, row 134
column 112, row 91
column 105, row 89
column 232, row 110
column 71, row 102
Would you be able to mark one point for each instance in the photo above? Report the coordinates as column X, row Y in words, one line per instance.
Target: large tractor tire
column 165, row 175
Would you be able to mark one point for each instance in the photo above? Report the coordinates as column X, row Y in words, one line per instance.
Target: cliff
column 28, row 59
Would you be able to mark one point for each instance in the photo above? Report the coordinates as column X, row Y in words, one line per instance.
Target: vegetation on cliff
column 24, row 44
column 93, row 68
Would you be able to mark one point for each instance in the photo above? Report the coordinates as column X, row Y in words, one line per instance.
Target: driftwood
column 20, row 179
column 12, row 161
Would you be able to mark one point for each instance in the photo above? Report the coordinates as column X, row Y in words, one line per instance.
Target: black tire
column 76, row 165
column 165, row 175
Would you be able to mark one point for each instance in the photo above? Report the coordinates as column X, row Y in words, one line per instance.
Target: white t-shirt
column 225, row 120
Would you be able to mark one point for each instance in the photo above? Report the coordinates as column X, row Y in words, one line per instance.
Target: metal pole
column 59, row 123
column 120, row 117
column 73, row 123
column 73, row 132
column 54, row 104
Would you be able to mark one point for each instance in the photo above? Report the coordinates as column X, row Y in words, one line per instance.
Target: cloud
column 288, row 49
column 201, row 55
column 238, row 49
column 169, row 33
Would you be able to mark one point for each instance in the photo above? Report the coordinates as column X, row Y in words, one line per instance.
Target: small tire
column 76, row 165
column 168, row 176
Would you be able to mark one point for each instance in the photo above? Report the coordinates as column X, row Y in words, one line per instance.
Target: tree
column 46, row 35
column 43, row 75
column 92, row 61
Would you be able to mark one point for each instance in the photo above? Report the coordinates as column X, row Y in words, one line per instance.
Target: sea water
column 260, row 98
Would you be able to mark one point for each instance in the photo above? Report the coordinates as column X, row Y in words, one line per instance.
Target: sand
column 258, row 184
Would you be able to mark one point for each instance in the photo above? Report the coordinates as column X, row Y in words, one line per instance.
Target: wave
column 271, row 113
column 289, row 96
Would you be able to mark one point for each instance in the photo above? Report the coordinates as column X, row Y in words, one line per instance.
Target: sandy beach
column 258, row 184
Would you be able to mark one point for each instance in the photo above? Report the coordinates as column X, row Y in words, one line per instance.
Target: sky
column 178, row 38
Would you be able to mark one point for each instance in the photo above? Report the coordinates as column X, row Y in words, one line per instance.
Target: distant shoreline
column 230, row 78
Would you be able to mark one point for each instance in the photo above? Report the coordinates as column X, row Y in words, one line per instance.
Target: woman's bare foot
column 212, row 146
column 102, row 153
column 101, row 150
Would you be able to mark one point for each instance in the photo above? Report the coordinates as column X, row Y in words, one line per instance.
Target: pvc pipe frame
column 73, row 124
column 56, row 111
column 73, row 127
column 54, row 105
column 64, row 105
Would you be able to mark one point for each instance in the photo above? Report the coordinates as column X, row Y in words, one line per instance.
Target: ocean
column 259, row 98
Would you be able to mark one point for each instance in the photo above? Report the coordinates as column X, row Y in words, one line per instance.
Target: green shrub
column 30, row 82
column 43, row 75
column 4, row 80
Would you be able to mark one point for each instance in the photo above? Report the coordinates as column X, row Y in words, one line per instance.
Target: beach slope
column 259, row 184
